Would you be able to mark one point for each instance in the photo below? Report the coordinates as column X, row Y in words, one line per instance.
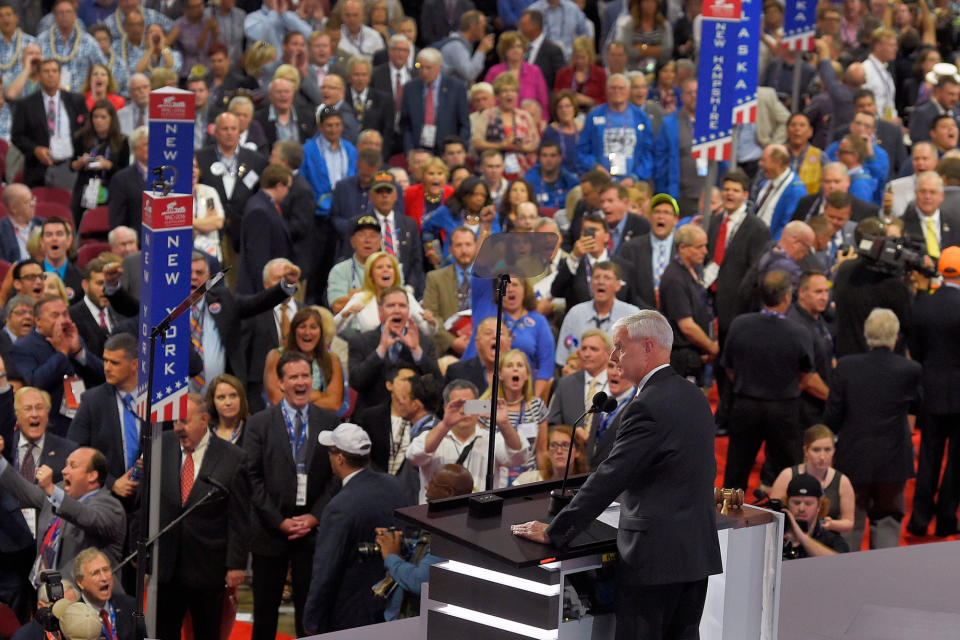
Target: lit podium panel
column 496, row 586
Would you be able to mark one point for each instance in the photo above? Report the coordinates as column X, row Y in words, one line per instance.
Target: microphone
column 560, row 498
column 216, row 483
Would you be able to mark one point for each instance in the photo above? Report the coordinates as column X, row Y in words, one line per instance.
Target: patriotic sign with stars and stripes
column 716, row 79
column 799, row 24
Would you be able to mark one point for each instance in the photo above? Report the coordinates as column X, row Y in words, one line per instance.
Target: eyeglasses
column 30, row 277
column 559, row 446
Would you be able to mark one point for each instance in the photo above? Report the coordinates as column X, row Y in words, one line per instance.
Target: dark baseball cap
column 804, row 485
column 365, row 222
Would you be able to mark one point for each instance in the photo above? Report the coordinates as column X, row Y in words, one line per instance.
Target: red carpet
column 242, row 631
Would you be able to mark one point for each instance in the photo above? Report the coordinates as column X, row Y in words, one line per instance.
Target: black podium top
column 491, row 536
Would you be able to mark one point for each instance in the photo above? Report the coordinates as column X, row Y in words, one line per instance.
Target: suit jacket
column 98, row 425
column 89, row 327
column 933, row 339
column 809, row 206
column 55, row 449
column 470, row 369
column 639, row 254
column 45, row 368
column 234, row 308
column 233, row 206
column 949, row 226
column 597, row 451
column 340, row 595
column 550, row 60
column 440, row 298
column 380, row 80
column 663, row 468
column 435, row 22
column 98, row 521
column 452, row 115
column 890, row 138
column 636, row 226
column 922, row 117
column 273, row 475
column 746, row 247
column 264, row 235
column 259, row 337
column 306, row 123
column 298, row 209
column 566, row 405
column 367, row 369
column 214, row 538
column 126, row 198
column 377, row 112
column 575, row 288
column 29, row 129
column 9, row 248
column 870, row 396
column 124, row 606
column 410, row 252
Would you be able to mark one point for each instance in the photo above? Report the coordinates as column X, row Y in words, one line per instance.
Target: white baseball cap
column 348, row 437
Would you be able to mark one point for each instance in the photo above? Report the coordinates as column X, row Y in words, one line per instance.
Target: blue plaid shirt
column 9, row 52
column 74, row 72
column 116, row 21
column 127, row 53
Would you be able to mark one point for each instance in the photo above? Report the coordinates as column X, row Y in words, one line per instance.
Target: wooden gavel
column 727, row 499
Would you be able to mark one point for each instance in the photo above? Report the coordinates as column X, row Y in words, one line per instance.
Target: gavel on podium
column 727, row 499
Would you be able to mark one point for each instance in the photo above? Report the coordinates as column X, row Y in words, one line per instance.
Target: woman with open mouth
column 362, row 311
column 525, row 411
column 100, row 85
column 306, row 335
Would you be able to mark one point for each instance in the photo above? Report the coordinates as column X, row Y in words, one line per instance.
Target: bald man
column 791, row 254
column 834, row 178
column 780, row 190
column 21, row 220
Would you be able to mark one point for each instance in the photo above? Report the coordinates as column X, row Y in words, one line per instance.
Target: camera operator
column 36, row 629
column 860, row 286
column 448, row 481
column 803, row 536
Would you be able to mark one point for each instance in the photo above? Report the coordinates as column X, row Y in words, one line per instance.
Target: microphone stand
column 559, row 498
column 495, row 383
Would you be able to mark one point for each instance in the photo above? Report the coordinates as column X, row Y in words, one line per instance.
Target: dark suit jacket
column 97, row 424
column 743, row 250
column 273, row 475
column 470, row 369
column 949, row 226
column 809, row 206
column 126, row 198
column 639, row 253
column 663, row 467
column 890, row 138
column 306, row 123
column 452, row 114
column 435, row 23
column 575, row 288
column 264, row 235
column 921, row 118
column 89, row 327
column 214, row 538
column 259, row 337
column 367, row 369
column 9, row 249
column 29, row 129
column 73, row 281
column 340, row 595
column 597, row 452
column 233, row 206
column 566, row 405
column 870, row 396
column 380, row 80
column 298, row 211
column 377, row 111
column 382, row 57
column 124, row 606
column 410, row 250
column 934, row 338
column 55, row 449
column 234, row 308
column 550, row 60
column 44, row 367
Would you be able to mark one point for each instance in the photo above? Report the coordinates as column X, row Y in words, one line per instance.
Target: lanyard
column 295, row 443
column 113, row 621
column 607, row 419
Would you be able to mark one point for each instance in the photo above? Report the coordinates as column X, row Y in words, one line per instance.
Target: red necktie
column 107, row 627
column 388, row 237
column 186, row 476
column 428, row 108
column 721, row 247
column 103, row 319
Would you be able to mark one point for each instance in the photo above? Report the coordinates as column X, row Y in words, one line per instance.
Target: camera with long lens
column 894, row 256
column 54, row 587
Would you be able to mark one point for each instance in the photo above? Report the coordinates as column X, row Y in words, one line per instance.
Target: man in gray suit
column 575, row 392
column 72, row 515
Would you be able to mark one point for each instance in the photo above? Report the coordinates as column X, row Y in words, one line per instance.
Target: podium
column 493, row 585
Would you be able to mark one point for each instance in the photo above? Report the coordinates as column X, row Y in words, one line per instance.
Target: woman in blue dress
column 469, row 206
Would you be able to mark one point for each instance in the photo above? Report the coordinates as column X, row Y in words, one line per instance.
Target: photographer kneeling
column 803, row 536
column 448, row 481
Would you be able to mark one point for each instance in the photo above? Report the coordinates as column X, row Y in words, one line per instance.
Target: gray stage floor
column 890, row 594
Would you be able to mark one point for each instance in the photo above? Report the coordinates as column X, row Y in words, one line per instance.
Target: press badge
column 428, row 136
column 301, row 489
column 511, row 164
column 73, row 389
column 618, row 164
column 528, row 431
column 702, row 167
column 250, row 180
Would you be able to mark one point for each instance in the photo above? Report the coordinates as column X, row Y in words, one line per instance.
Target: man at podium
column 663, row 465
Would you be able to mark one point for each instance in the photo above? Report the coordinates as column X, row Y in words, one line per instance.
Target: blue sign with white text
column 799, row 24
column 748, row 52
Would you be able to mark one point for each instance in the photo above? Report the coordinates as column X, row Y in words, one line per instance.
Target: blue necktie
column 130, row 431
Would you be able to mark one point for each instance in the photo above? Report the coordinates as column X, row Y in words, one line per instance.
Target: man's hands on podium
column 533, row 530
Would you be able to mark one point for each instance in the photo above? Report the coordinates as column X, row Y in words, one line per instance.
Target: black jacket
column 29, row 129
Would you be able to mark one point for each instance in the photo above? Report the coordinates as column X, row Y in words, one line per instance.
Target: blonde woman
column 584, row 77
column 362, row 311
column 519, row 406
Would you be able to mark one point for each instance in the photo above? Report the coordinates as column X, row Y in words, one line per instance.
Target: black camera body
column 894, row 256
column 54, row 587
